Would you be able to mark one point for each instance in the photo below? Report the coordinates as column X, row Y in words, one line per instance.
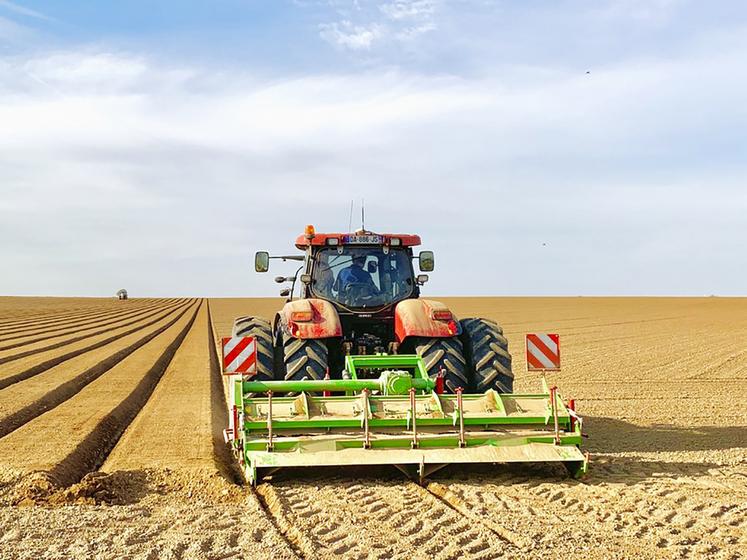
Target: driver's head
column 359, row 260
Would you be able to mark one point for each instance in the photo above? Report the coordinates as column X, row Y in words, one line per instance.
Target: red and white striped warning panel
column 543, row 352
column 239, row 355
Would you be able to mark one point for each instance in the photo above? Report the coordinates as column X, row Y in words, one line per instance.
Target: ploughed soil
column 111, row 418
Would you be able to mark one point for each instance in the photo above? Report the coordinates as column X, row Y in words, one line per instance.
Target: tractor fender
column 416, row 317
column 324, row 322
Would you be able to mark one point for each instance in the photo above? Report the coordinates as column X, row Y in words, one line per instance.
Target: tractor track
column 451, row 500
column 73, row 328
column 63, row 318
column 402, row 521
column 90, row 332
column 21, row 374
column 69, row 388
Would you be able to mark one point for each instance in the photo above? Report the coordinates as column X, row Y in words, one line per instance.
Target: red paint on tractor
column 325, row 322
column 414, row 317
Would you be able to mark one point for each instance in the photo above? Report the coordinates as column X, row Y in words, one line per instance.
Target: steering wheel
column 358, row 291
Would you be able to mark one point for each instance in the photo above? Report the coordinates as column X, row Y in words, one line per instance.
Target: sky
column 538, row 147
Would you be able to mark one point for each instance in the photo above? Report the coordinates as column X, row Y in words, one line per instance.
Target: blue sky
column 567, row 147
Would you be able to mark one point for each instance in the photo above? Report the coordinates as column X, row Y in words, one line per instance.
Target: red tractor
column 358, row 294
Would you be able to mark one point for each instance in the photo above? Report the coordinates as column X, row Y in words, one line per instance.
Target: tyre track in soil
column 401, row 521
column 684, row 516
column 68, row 328
column 38, row 363
column 94, row 419
column 534, row 529
column 42, row 344
column 652, row 518
column 23, row 401
column 61, row 318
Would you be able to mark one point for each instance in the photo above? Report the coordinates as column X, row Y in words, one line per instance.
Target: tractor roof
column 360, row 237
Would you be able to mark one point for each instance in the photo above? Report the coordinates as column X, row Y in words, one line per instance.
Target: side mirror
column 421, row 279
column 280, row 279
column 262, row 261
column 426, row 261
column 371, row 267
column 285, row 292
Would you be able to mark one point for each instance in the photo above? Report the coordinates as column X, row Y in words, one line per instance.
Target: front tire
column 304, row 358
column 443, row 354
column 486, row 350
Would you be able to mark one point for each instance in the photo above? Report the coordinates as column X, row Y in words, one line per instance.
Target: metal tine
column 366, row 432
column 269, row 421
column 414, row 421
column 460, row 411
column 554, row 404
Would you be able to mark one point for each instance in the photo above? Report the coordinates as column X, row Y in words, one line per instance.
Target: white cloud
column 363, row 26
column 345, row 34
column 116, row 169
column 408, row 9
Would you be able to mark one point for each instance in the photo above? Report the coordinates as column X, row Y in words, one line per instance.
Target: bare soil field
column 110, row 442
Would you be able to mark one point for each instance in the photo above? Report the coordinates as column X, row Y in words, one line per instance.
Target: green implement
column 398, row 418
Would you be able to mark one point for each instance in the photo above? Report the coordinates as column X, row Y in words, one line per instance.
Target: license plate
column 363, row 239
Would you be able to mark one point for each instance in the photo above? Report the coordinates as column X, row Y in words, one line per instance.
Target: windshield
column 362, row 276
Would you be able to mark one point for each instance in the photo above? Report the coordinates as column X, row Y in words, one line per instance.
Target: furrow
column 26, row 368
column 62, row 318
column 218, row 407
column 67, row 338
column 27, row 400
column 68, row 328
column 167, row 435
column 42, row 318
column 94, row 418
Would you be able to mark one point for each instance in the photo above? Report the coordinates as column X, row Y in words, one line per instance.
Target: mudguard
column 324, row 323
column 416, row 317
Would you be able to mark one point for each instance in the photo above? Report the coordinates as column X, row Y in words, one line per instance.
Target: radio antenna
column 350, row 221
column 363, row 214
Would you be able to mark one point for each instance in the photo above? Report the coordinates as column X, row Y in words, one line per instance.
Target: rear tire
column 304, row 358
column 446, row 354
column 486, row 350
column 261, row 330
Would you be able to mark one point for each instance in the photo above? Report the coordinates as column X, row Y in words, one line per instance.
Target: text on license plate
column 364, row 239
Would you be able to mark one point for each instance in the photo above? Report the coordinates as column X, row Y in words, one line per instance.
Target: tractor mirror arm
column 290, row 257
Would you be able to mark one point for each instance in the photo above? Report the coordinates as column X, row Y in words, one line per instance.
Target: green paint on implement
column 398, row 419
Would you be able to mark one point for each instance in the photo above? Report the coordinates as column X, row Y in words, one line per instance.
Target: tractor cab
column 358, row 272
column 362, row 277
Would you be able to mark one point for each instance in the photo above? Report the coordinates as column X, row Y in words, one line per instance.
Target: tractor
column 358, row 294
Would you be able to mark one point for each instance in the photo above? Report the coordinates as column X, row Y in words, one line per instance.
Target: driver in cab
column 356, row 275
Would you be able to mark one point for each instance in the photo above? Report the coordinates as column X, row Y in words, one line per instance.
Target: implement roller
column 399, row 419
